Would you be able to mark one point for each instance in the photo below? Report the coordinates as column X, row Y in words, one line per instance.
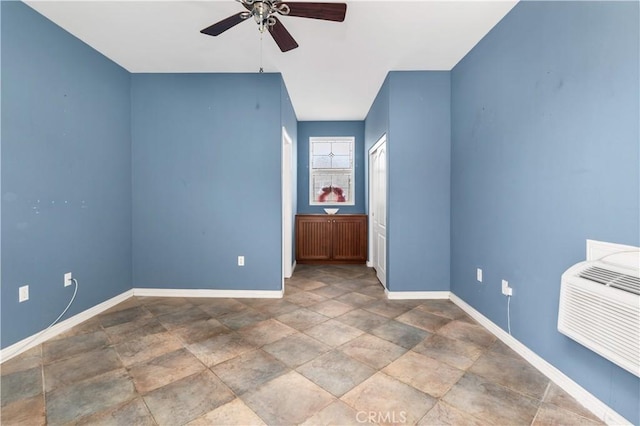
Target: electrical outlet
column 240, row 260
column 68, row 279
column 479, row 274
column 506, row 290
column 23, row 293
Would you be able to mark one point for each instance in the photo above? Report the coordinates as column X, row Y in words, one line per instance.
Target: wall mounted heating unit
column 600, row 303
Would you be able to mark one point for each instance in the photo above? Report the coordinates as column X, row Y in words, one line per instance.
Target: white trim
column 239, row 294
column 590, row 402
column 287, row 204
column 40, row 337
column 627, row 255
column 405, row 295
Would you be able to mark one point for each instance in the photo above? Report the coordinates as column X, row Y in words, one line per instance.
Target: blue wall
column 419, row 149
column 413, row 109
column 545, row 155
column 307, row 129
column 66, row 173
column 207, row 180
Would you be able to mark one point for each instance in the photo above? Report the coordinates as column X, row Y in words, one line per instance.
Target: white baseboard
column 167, row 292
column 404, row 295
column 590, row 402
column 59, row 328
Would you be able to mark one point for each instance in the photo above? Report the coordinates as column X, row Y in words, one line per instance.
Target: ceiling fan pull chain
column 261, row 70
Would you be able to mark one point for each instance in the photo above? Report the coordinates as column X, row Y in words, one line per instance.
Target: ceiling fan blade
column 283, row 39
column 326, row 11
column 222, row 26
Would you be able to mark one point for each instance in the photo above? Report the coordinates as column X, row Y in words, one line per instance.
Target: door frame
column 372, row 198
column 287, row 206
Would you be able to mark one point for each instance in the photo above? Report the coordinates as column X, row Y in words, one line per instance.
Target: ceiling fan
column 264, row 12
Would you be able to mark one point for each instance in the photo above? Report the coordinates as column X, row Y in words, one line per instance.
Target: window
column 331, row 171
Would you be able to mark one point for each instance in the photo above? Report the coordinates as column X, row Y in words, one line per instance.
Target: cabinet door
column 313, row 238
column 349, row 238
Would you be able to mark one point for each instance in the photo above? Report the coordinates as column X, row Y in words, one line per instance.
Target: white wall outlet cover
column 506, row 290
column 479, row 274
column 240, row 260
column 23, row 293
column 68, row 279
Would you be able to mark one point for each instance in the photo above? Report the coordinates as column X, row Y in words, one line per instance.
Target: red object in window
column 327, row 190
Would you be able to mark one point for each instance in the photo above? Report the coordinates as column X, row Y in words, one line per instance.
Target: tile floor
column 334, row 350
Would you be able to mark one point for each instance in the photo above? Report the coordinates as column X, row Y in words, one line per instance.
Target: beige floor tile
column 302, row 319
column 88, row 397
column 249, row 370
column 165, row 369
column 387, row 308
column 220, row 348
column 423, row 373
column 356, row 299
column 304, row 298
column 187, row 399
column 388, row 401
column 372, row 350
column 456, row 353
column 20, row 385
column 183, row 317
column 365, row 321
column 490, row 402
column 444, row 414
column 266, row 332
column 443, row 308
column 333, row 333
column 24, row 361
column 147, row 347
column 558, row 397
column 336, row 372
column 272, row 404
column 400, row 334
column 219, row 307
column 332, row 308
column 551, row 415
column 130, row 413
column 55, row 350
column 80, row 367
column 335, row 414
column 514, row 373
column 199, row 330
column 25, row 411
column 424, row 320
column 472, row 333
column 234, row 413
column 134, row 330
column 296, row 349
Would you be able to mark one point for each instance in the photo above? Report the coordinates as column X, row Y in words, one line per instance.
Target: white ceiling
column 336, row 72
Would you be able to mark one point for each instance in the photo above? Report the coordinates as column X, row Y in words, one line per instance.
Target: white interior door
column 287, row 213
column 378, row 208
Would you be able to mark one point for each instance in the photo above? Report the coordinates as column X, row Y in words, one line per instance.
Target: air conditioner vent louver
column 600, row 309
column 614, row 279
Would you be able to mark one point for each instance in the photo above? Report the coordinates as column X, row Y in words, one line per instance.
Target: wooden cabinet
column 331, row 238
